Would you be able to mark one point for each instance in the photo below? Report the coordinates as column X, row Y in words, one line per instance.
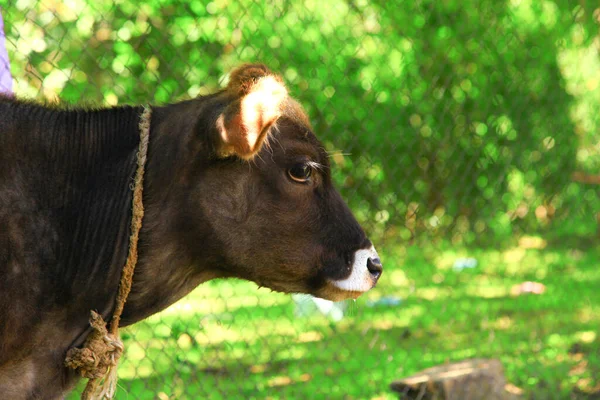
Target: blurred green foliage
column 450, row 117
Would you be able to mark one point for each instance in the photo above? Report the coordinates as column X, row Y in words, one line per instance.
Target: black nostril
column 374, row 266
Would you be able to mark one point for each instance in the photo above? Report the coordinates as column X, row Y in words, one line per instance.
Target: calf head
column 267, row 195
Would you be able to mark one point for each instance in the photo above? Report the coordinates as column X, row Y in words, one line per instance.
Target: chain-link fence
column 465, row 136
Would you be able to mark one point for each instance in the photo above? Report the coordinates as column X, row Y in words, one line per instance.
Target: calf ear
column 244, row 124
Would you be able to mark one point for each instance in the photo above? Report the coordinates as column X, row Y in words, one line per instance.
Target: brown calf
column 236, row 185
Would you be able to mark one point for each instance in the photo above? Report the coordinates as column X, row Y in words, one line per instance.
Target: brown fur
column 65, row 196
column 245, row 77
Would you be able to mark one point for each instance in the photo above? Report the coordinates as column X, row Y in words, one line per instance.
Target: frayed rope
column 99, row 357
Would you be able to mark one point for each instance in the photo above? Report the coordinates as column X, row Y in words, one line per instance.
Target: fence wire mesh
column 465, row 135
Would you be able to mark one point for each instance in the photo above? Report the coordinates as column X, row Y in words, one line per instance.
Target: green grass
column 230, row 340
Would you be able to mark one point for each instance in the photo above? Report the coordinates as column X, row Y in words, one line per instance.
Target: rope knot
column 101, row 351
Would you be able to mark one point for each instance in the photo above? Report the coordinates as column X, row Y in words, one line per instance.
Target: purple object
column 5, row 77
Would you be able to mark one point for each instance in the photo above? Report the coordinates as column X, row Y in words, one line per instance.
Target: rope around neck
column 99, row 357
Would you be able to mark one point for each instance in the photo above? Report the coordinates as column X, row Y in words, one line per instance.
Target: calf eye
column 300, row 173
